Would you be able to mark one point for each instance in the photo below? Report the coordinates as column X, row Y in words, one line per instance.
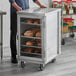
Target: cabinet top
column 2, row 13
column 38, row 11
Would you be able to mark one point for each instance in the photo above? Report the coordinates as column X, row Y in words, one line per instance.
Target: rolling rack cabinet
column 1, row 33
column 65, row 27
column 49, row 26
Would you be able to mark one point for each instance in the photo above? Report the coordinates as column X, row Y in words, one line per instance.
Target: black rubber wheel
column 53, row 60
column 41, row 67
column 72, row 35
column 22, row 64
column 63, row 42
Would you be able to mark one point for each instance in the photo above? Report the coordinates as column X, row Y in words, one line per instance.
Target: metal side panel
column 51, row 39
column 59, row 32
column 0, row 29
column 0, row 35
column 18, row 33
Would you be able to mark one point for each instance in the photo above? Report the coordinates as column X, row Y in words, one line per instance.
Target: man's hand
column 42, row 6
column 19, row 9
column 38, row 3
column 16, row 6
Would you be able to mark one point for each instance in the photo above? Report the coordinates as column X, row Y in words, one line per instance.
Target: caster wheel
column 41, row 67
column 22, row 64
column 72, row 35
column 53, row 60
column 63, row 42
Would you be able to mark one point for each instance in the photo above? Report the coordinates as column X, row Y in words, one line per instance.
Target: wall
column 4, row 6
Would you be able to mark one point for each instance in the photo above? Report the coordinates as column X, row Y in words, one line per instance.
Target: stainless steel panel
column 0, row 29
column 0, row 50
column 37, row 11
column 0, row 35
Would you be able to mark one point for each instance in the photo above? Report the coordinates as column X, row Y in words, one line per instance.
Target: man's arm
column 38, row 3
column 14, row 4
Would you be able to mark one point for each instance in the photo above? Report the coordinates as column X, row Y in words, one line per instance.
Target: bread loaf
column 38, row 34
column 29, row 49
column 38, row 42
column 35, row 30
column 31, row 42
column 29, row 33
column 30, row 21
column 37, row 51
column 32, row 32
column 37, row 21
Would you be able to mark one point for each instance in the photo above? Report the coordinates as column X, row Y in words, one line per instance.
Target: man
column 17, row 5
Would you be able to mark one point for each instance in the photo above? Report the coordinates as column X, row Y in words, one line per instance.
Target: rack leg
column 22, row 64
column 41, row 67
column 53, row 60
column 63, row 41
column 1, row 38
column 72, row 35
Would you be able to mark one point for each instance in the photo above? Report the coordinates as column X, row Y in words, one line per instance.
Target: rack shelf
column 30, row 37
column 30, row 46
column 24, row 23
column 31, row 54
column 68, row 14
column 68, row 10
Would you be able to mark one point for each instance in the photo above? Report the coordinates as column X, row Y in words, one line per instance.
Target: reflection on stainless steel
column 38, row 10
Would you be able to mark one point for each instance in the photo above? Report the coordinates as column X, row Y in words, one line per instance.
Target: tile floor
column 65, row 65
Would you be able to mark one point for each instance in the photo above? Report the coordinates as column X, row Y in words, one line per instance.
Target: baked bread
column 38, row 34
column 37, row 21
column 31, row 42
column 29, row 49
column 29, row 33
column 30, row 21
column 39, row 43
column 32, row 32
column 37, row 51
